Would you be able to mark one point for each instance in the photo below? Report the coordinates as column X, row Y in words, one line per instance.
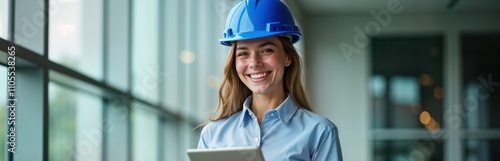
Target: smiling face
column 260, row 64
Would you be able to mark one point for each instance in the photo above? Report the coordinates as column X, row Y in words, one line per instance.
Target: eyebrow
column 261, row 45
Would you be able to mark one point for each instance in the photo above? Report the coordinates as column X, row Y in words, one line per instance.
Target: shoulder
column 318, row 120
column 322, row 130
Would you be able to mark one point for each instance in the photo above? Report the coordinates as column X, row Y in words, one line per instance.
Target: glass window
column 188, row 138
column 481, row 77
column 62, row 132
column 404, row 90
column 76, row 36
column 145, row 50
column 378, row 84
column 75, row 130
column 4, row 19
column 117, row 44
column 116, row 129
column 29, row 20
column 407, row 83
column 209, row 62
column 193, row 57
column 429, row 150
column 3, row 110
column 484, row 149
column 168, row 52
column 171, row 62
column 171, row 140
column 145, row 125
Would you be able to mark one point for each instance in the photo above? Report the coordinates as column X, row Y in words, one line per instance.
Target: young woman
column 261, row 100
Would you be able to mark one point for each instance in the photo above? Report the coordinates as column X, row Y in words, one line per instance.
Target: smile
column 259, row 75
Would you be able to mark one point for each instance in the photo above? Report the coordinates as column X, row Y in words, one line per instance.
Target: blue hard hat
column 250, row 19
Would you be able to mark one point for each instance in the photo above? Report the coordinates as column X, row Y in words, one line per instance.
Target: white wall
column 339, row 86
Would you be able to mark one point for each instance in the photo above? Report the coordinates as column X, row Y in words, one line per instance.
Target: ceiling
column 409, row 6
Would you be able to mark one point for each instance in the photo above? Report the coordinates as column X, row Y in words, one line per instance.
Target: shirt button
column 256, row 139
column 272, row 114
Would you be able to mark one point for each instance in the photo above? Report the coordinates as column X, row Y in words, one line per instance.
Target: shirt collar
column 285, row 110
column 246, row 113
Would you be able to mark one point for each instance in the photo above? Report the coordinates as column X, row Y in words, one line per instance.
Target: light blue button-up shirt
column 287, row 133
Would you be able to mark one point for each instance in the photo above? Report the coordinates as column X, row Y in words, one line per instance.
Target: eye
column 241, row 54
column 267, row 51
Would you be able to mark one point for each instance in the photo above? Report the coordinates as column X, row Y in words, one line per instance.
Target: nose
column 255, row 61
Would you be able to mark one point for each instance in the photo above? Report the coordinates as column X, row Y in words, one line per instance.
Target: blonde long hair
column 232, row 92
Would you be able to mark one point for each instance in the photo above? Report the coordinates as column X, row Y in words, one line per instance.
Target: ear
column 288, row 61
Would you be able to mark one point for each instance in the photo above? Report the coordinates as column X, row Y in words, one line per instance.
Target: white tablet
column 226, row 154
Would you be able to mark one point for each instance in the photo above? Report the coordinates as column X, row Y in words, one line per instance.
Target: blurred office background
column 130, row 80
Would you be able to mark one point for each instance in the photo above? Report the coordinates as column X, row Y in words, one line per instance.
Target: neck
column 261, row 103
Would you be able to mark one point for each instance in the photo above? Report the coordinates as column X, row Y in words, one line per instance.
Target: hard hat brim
column 259, row 34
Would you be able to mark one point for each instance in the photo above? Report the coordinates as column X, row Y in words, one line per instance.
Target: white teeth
column 257, row 76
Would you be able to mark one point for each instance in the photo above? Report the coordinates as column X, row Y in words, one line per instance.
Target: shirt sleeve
column 329, row 147
column 204, row 136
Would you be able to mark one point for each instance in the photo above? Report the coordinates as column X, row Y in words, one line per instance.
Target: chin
column 259, row 91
